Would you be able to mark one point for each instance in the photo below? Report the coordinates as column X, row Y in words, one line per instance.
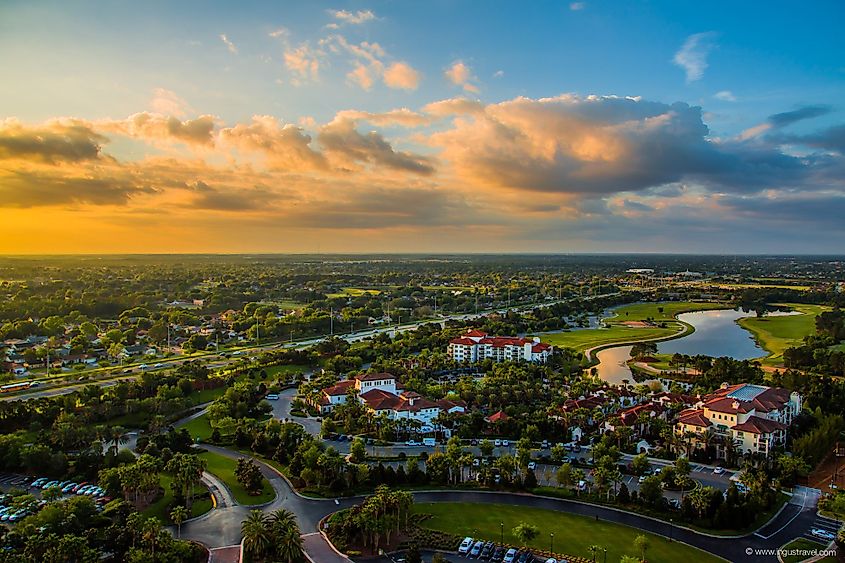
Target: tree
column 249, row 475
column 525, row 532
column 187, row 471
column 558, row 452
column 179, row 514
column 256, row 534
column 594, row 551
column 641, row 544
column 357, row 451
column 639, row 464
column 651, row 490
column 285, row 536
column 486, row 447
column 413, row 554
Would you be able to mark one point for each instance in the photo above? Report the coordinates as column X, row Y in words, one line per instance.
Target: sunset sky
column 441, row 126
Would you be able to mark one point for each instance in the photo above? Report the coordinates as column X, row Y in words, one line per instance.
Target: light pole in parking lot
column 502, row 534
column 670, row 530
column 605, row 555
column 551, row 542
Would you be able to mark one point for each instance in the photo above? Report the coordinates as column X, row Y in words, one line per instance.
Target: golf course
column 777, row 333
column 633, row 323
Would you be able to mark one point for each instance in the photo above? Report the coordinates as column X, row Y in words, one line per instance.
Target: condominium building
column 754, row 417
column 475, row 346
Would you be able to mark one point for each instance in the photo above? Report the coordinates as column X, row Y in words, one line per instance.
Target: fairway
column 775, row 334
column 616, row 332
column 224, row 468
column 572, row 534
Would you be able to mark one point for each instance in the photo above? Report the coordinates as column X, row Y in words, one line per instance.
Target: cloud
column 785, row 119
column 402, row 76
column 230, row 199
column 692, row 56
column 832, row 138
column 461, row 75
column 285, row 147
column 499, row 74
column 402, row 116
column 353, row 18
column 361, row 76
column 303, row 61
column 577, row 6
column 229, row 45
column 725, row 96
column 153, row 126
column 341, row 140
column 594, row 145
column 280, row 32
column 454, row 106
column 168, row 102
column 47, row 188
column 55, row 141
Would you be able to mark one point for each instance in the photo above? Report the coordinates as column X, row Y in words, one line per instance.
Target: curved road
column 221, row 526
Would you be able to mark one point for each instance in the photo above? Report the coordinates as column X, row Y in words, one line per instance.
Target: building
column 754, row 417
column 381, row 394
column 475, row 346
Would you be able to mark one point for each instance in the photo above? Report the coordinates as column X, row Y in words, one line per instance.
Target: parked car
column 532, row 465
column 823, row 534
column 476, row 462
column 497, row 443
column 510, row 556
column 272, row 397
column 525, row 557
column 465, row 546
column 719, row 470
column 505, row 444
column 412, row 443
column 498, row 554
column 545, row 444
column 641, row 480
column 487, row 550
column 476, row 549
column 38, row 482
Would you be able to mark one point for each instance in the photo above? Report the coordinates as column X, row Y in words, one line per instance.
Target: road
column 221, row 526
column 216, row 361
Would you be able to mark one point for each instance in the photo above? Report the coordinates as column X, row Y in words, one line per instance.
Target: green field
column 159, row 509
column 804, row 544
column 775, row 334
column 274, row 371
column 198, row 428
column 353, row 292
column 617, row 332
column 572, row 533
column 224, row 468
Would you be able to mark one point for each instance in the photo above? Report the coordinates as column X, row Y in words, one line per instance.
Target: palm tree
column 289, row 545
column 149, row 532
column 256, row 535
column 117, row 436
column 179, row 514
column 594, row 551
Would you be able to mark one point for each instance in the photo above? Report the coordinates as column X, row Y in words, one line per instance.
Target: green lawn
column 159, row 508
column 618, row 332
column 274, row 371
column 199, row 428
column 572, row 533
column 804, row 544
column 776, row 334
column 224, row 468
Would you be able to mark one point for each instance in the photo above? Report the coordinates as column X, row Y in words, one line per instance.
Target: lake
column 716, row 334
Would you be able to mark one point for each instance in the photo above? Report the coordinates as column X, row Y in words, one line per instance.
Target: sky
column 439, row 126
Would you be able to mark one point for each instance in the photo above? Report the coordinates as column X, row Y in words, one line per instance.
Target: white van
column 430, row 442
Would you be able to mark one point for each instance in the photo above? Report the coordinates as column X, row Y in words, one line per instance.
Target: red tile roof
column 340, row 388
column 374, row 376
column 758, row 425
column 498, row 417
column 475, row 333
column 694, row 417
column 463, row 341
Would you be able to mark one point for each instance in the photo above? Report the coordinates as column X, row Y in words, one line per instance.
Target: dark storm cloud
column 53, row 142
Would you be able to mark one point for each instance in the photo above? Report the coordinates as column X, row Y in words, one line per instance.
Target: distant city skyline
column 438, row 127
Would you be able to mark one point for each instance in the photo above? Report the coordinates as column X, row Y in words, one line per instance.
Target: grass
column 802, row 544
column 199, row 427
column 572, row 533
column 224, row 469
column 353, row 292
column 776, row 334
column 616, row 332
column 159, row 509
column 275, row 371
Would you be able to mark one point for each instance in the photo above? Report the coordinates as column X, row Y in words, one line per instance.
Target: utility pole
column 331, row 321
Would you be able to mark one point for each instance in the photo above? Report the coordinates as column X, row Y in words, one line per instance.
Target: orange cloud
column 401, row 76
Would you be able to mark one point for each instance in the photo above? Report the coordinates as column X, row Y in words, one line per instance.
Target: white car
column 551, row 560
column 719, row 470
column 272, row 397
column 532, row 465
column 412, row 443
column 505, row 444
column 465, row 546
column 823, row 534
column 497, row 443
column 510, row 556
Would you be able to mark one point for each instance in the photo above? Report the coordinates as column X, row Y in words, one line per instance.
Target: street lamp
column 551, row 542
column 670, row 530
column 502, row 534
column 605, row 555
